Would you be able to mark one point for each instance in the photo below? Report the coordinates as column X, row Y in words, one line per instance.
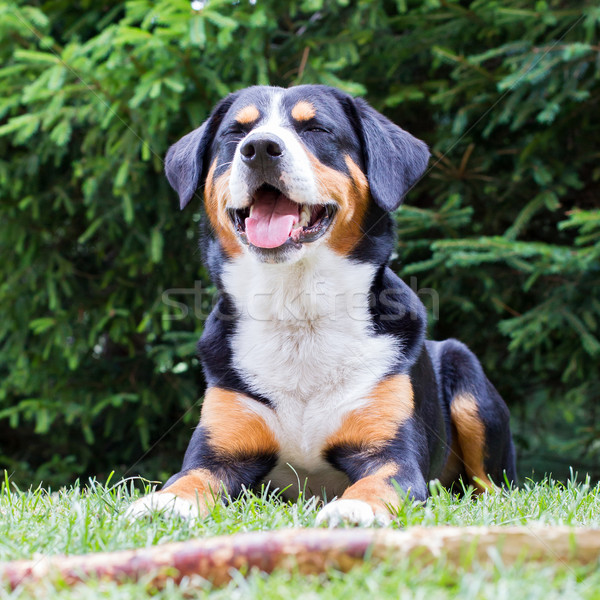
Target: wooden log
column 310, row 551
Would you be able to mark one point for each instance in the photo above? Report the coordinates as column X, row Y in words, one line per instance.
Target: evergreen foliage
column 505, row 226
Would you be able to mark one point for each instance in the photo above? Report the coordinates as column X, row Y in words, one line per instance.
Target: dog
column 319, row 377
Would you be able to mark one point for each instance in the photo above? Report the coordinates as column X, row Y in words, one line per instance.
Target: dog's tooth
column 304, row 216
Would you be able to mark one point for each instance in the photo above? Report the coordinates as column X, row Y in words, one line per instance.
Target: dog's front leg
column 232, row 448
column 374, row 497
column 378, row 447
column 192, row 494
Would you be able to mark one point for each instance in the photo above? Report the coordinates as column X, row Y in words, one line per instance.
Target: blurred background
column 98, row 373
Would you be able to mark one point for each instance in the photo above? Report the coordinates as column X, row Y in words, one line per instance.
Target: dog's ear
column 186, row 160
column 394, row 159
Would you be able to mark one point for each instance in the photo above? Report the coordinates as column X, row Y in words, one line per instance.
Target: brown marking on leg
column 376, row 489
column 370, row 427
column 232, row 428
column 200, row 487
column 234, row 432
column 303, row 111
column 351, row 194
column 247, row 115
column 216, row 193
column 471, row 438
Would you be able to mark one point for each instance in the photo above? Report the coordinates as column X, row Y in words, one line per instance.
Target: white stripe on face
column 296, row 176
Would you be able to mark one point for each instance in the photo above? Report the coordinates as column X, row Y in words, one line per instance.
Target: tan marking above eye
column 303, row 111
column 247, row 115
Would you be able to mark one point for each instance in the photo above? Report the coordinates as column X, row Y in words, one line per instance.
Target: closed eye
column 235, row 130
column 315, row 129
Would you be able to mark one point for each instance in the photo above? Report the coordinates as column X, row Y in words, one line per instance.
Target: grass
column 90, row 519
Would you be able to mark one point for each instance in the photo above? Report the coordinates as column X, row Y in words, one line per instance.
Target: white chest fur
column 304, row 341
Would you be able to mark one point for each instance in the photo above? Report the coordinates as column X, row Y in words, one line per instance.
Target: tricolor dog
column 315, row 356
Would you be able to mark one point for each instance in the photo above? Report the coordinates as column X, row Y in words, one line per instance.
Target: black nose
column 261, row 148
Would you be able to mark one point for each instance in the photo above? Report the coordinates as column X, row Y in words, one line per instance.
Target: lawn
column 89, row 518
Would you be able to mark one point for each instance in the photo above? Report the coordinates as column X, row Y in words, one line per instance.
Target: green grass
column 90, row 519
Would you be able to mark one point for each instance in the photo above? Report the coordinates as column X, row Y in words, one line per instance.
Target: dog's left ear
column 186, row 160
column 394, row 159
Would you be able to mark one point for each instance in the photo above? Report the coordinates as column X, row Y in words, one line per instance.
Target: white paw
column 162, row 502
column 353, row 512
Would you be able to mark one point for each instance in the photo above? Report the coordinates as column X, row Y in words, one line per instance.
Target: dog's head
column 285, row 171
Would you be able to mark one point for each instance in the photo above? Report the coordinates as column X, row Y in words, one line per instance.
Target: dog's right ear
column 394, row 159
column 186, row 159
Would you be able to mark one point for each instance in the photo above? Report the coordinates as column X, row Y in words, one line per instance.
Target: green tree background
column 96, row 375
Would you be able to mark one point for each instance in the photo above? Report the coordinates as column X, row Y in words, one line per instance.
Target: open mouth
column 272, row 219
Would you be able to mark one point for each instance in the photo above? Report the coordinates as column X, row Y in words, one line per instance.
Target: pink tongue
column 273, row 218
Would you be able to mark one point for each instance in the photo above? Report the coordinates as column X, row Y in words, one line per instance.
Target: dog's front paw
column 161, row 502
column 352, row 512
